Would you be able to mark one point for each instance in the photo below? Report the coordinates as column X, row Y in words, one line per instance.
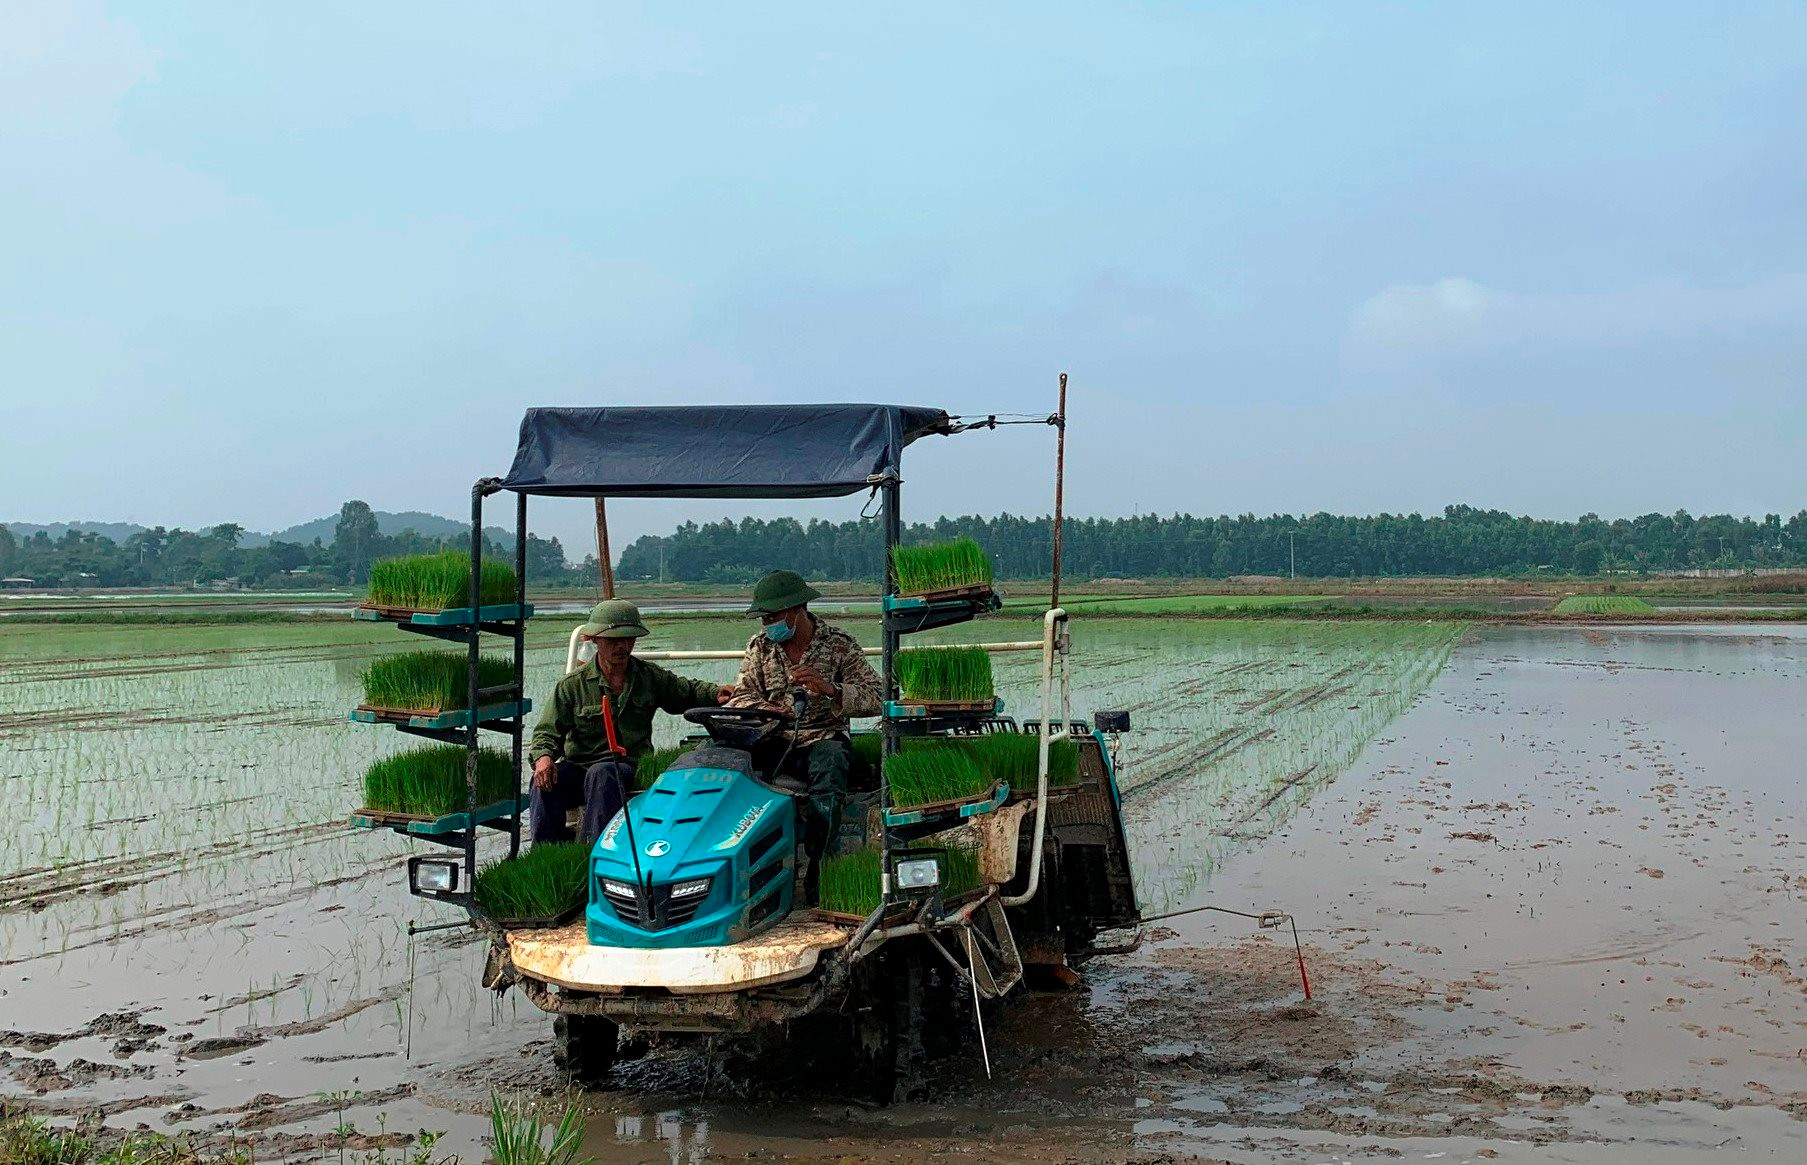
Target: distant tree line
column 1462, row 540
column 182, row 558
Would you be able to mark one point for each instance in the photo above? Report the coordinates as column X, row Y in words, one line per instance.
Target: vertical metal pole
column 1060, row 477
column 605, row 566
column 470, row 731
column 520, row 662
column 888, row 641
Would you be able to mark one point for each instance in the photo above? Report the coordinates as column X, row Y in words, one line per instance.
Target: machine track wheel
column 889, row 1038
column 585, row 1047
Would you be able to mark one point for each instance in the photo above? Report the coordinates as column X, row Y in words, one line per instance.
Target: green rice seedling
column 548, row 879
column 944, row 673
column 942, row 566
column 934, row 771
column 1014, row 757
column 517, row 1137
column 850, row 883
column 429, row 679
column 433, row 582
column 1604, row 605
column 868, row 750
column 652, row 766
column 431, row 781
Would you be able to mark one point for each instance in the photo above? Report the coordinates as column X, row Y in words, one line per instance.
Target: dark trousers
column 599, row 788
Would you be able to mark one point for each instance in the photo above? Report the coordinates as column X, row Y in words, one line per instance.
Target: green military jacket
column 571, row 729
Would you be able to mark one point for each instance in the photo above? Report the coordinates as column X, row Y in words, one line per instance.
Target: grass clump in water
column 429, row 680
column 433, row 582
column 1604, row 605
column 430, row 782
column 945, row 673
column 850, row 883
column 548, row 879
column 942, row 566
column 1014, row 757
column 934, row 771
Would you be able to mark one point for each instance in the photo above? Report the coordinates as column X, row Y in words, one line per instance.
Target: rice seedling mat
column 429, row 826
column 435, row 718
column 538, row 922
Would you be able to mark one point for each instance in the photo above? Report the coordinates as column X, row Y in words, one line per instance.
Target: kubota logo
column 658, row 849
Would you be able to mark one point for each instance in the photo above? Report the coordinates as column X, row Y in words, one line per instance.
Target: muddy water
column 1497, row 964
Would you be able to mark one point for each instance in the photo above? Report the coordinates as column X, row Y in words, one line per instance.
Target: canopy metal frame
column 887, row 483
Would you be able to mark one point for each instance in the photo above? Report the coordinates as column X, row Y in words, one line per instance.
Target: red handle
column 608, row 727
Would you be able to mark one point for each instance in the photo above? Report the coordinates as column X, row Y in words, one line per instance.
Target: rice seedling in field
column 433, row 582
column 429, row 680
column 960, row 674
column 942, row 566
column 517, row 1138
column 934, row 771
column 1604, row 605
column 548, row 879
column 1014, row 757
column 850, row 884
column 652, row 766
column 430, row 782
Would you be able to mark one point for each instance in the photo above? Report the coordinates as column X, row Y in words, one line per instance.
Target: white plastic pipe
column 1054, row 619
column 576, row 641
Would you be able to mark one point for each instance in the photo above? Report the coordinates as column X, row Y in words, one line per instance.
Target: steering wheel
column 738, row 727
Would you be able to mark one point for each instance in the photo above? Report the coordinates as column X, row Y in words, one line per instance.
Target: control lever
column 793, row 785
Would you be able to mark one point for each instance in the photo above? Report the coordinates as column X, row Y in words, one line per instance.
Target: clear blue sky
column 1342, row 256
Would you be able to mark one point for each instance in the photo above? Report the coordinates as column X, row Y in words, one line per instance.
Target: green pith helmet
column 614, row 619
column 780, row 591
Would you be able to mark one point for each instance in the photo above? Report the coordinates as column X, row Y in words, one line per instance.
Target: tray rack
column 502, row 708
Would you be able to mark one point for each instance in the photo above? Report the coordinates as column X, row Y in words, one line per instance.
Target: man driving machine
column 573, row 756
column 801, row 664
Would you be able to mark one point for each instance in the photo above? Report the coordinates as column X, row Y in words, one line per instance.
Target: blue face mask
column 780, row 631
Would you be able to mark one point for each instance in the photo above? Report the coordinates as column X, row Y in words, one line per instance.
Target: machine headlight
column 621, row 889
column 690, row 889
column 432, row 875
column 918, row 874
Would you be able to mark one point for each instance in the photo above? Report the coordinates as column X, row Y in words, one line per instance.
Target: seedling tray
column 449, row 823
column 950, row 810
column 952, row 594
column 446, row 616
column 915, row 709
column 538, row 922
column 434, row 718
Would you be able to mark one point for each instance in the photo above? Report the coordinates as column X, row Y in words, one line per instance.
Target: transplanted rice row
column 430, row 680
column 434, row 582
column 1604, row 605
column 431, row 782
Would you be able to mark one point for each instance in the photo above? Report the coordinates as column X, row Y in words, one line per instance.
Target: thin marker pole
column 605, row 569
column 1060, row 477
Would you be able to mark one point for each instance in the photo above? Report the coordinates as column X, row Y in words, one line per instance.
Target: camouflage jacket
column 765, row 678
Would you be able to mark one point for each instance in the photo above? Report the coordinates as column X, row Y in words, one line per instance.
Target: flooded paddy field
column 1550, row 880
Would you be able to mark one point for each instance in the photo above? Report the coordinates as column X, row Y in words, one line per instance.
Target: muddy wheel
column 585, row 1046
column 888, row 1015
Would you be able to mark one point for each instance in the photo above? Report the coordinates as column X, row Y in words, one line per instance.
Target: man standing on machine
column 574, row 755
column 800, row 657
